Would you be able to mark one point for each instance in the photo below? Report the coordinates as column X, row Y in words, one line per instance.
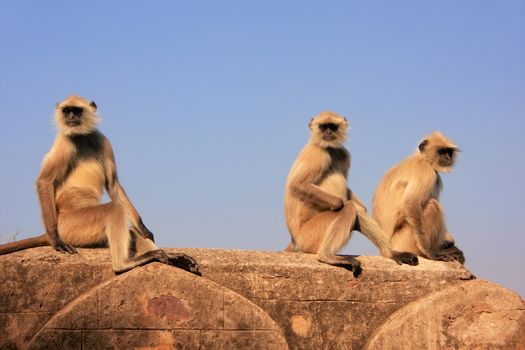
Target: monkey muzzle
column 328, row 136
column 72, row 115
column 73, row 123
column 72, row 120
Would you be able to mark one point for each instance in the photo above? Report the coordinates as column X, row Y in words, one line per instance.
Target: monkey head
column 328, row 130
column 439, row 151
column 76, row 116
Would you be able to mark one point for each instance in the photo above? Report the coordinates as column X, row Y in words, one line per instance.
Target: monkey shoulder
column 417, row 173
column 313, row 157
column 61, row 150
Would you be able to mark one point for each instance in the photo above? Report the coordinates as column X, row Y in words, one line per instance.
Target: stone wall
column 250, row 300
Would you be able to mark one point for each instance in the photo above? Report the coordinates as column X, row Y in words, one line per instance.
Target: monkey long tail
column 32, row 242
column 371, row 229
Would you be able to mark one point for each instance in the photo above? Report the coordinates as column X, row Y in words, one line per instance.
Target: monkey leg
column 438, row 241
column 325, row 234
column 433, row 225
column 404, row 239
column 375, row 233
column 105, row 222
column 449, row 241
column 141, row 245
column 84, row 227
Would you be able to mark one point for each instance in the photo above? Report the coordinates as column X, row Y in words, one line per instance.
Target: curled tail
column 15, row 246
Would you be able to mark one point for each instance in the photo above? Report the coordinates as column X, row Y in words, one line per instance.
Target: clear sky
column 207, row 104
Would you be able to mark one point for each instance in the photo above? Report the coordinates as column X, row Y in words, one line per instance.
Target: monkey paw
column 63, row 247
column 184, row 262
column 456, row 254
column 447, row 245
column 351, row 264
column 405, row 258
column 344, row 261
column 451, row 254
column 355, row 266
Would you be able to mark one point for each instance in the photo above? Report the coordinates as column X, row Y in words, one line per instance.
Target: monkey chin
column 446, row 169
column 84, row 128
column 337, row 143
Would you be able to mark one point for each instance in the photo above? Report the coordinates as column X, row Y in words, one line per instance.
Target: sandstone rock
column 472, row 315
column 250, row 300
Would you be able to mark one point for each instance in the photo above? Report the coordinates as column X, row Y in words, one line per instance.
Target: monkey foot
column 354, row 266
column 405, row 258
column 452, row 254
column 447, row 245
column 185, row 262
column 344, row 261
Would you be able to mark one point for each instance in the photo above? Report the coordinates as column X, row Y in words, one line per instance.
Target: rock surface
column 250, row 300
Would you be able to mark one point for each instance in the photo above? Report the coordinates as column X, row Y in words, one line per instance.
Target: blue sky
column 207, row 105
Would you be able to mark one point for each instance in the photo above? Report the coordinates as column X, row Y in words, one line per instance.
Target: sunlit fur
column 320, row 209
column 74, row 174
column 90, row 116
column 406, row 202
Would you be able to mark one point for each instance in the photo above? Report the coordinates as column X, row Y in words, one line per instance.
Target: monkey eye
column 331, row 126
column 447, row 151
column 75, row 110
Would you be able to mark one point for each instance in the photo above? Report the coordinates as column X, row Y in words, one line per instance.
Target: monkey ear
column 422, row 145
column 310, row 124
column 93, row 104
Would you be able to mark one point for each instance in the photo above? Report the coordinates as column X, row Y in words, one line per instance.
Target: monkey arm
column 414, row 217
column 411, row 212
column 309, row 169
column 314, row 195
column 46, row 190
column 45, row 185
column 133, row 214
column 117, row 194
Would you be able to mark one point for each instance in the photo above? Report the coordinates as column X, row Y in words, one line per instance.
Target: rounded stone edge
column 437, row 302
column 77, row 304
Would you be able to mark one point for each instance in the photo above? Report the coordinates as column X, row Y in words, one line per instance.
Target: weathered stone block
column 250, row 299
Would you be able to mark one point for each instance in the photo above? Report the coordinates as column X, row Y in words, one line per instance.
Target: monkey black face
column 446, row 156
column 328, row 131
column 72, row 115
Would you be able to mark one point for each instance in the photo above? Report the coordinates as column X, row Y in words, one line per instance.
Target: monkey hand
column 143, row 231
column 59, row 245
column 147, row 234
column 337, row 204
column 184, row 262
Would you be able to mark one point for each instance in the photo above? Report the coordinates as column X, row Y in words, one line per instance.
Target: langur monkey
column 321, row 211
column 406, row 201
column 70, row 185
